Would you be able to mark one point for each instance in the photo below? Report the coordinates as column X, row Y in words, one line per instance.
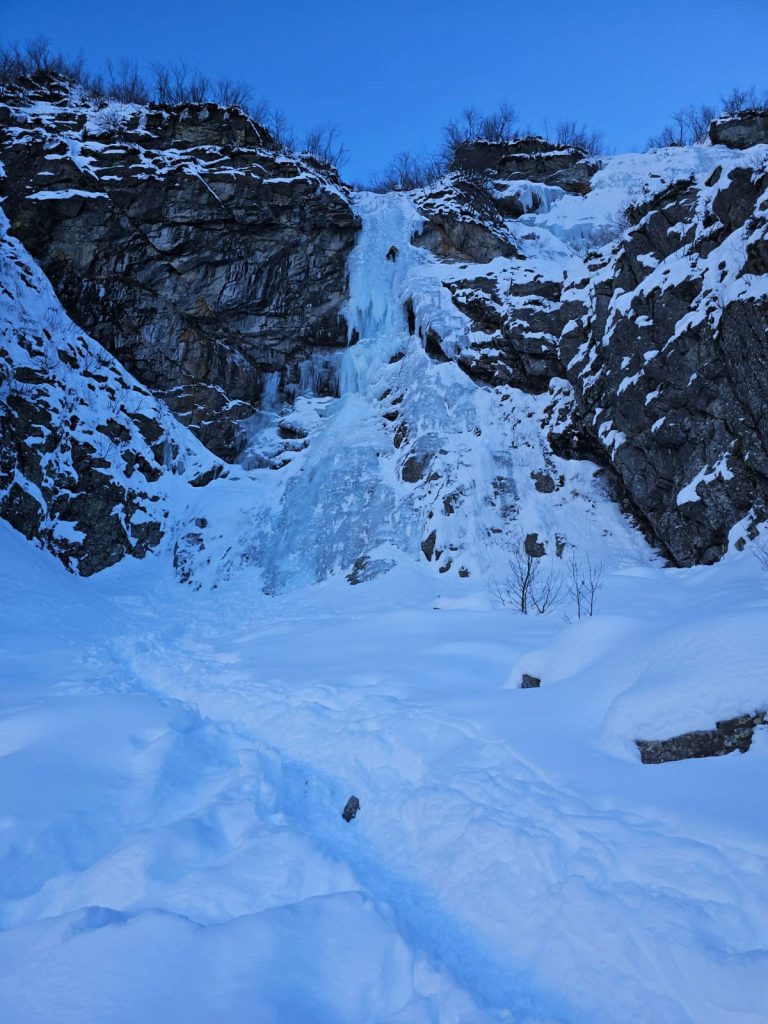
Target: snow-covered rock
column 183, row 239
column 89, row 458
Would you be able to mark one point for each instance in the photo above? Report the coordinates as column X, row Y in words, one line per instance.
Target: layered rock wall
column 183, row 239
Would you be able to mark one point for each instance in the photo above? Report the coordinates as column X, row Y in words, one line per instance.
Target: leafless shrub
column 325, row 145
column 408, row 171
column 571, row 133
column 123, row 82
column 232, row 93
column 472, row 125
column 622, row 221
column 111, row 119
column 760, row 551
column 690, row 125
column 177, row 83
column 36, row 57
column 584, row 582
column 527, row 586
column 736, row 100
column 277, row 124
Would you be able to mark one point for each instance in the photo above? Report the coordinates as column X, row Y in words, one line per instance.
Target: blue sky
column 389, row 74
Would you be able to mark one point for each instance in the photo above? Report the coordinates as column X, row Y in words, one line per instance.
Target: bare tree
column 688, row 126
column 572, row 134
column 546, row 590
column 499, row 125
column 760, row 551
column 124, row 83
column 177, row 83
column 584, row 582
column 37, row 58
column 324, row 143
column 407, row 172
column 231, row 93
column 527, row 586
column 472, row 125
column 277, row 124
column 743, row 99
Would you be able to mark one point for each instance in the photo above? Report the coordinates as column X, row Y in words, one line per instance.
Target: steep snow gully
column 174, row 762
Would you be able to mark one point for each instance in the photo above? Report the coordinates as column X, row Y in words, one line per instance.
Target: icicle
column 319, row 375
column 270, row 400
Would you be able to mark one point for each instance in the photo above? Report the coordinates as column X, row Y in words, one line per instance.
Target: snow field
column 181, row 761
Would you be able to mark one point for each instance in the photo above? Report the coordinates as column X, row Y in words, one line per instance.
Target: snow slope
column 175, row 764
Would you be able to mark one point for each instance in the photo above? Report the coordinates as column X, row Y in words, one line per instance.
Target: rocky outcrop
column 351, row 807
column 661, row 336
column 530, row 682
column 670, row 362
column 517, row 319
column 86, row 452
column 727, row 736
column 462, row 223
column 530, row 159
column 522, row 324
column 740, row 131
column 184, row 240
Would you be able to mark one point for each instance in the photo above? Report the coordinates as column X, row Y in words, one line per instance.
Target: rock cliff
column 89, row 458
column 184, row 240
column 614, row 310
column 661, row 331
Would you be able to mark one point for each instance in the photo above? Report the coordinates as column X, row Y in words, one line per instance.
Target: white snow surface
column 173, row 767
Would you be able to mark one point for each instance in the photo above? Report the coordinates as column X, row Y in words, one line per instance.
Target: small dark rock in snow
column 529, row 682
column 351, row 808
column 534, row 547
column 543, row 483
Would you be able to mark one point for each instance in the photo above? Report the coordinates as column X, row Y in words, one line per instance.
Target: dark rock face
column 365, row 569
column 748, row 128
column 530, row 159
column 462, row 222
column 522, row 327
column 428, row 545
column 85, row 451
column 522, row 321
column 544, row 483
column 727, row 736
column 184, row 241
column 670, row 363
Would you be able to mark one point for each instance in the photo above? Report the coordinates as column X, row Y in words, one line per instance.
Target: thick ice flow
column 412, row 446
